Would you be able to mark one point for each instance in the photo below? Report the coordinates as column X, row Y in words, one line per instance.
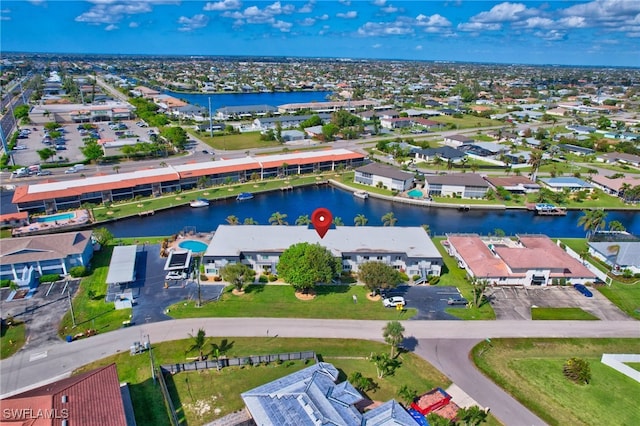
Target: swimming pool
column 415, row 193
column 193, row 245
column 56, row 217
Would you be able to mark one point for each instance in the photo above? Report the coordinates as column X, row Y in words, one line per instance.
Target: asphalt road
column 29, row 368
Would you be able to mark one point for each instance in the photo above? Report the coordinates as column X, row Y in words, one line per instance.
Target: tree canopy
column 175, row 135
column 237, row 274
column 378, row 275
column 303, row 265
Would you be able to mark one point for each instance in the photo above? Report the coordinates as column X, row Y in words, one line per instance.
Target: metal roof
column 122, row 268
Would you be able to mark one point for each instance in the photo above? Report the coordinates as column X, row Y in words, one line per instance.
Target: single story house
column 484, row 149
column 513, row 184
column 244, row 111
column 581, row 130
column 576, row 149
column 407, row 249
column 457, row 140
column 620, row 157
column 14, row 220
column 94, row 398
column 528, row 260
column 44, row 254
column 614, row 186
column 445, row 152
column 464, row 185
column 620, row 255
column 375, row 174
column 311, row 397
column 286, row 121
column 561, row 183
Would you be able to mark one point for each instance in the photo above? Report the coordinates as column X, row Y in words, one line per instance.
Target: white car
column 392, row 302
column 176, row 275
column 70, row 170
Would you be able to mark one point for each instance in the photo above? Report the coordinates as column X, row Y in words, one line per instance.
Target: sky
column 564, row 32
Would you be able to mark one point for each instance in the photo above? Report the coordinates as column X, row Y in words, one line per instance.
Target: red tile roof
column 7, row 217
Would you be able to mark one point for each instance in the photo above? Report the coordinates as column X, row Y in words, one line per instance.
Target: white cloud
column 307, row 8
column 111, row 27
column 379, row 2
column 283, row 26
column 419, row 47
column 348, row 15
column 307, row 22
column 193, row 23
column 389, row 9
column 133, row 25
column 502, row 12
column 322, row 17
column 345, row 2
column 4, row 15
column 377, row 46
column 112, row 13
column 432, row 21
column 223, row 5
column 478, row 26
column 573, row 22
column 36, row 2
column 536, row 22
column 255, row 15
column 551, row 35
column 376, row 29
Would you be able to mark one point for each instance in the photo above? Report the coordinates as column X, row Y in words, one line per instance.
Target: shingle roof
column 458, row 179
column 43, row 247
column 385, row 171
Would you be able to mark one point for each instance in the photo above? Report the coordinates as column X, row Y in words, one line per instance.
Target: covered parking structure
column 122, row 269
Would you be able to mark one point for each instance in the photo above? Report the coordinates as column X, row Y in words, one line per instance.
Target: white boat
column 200, row 202
column 361, row 194
column 244, row 196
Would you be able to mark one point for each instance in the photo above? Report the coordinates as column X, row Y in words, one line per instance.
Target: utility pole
column 73, row 316
column 198, row 280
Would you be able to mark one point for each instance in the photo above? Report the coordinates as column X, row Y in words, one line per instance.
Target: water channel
column 302, row 201
column 219, row 100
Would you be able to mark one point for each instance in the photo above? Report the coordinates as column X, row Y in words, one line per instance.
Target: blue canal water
column 241, row 99
column 303, row 201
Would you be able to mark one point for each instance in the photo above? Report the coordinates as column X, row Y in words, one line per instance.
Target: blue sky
column 598, row 32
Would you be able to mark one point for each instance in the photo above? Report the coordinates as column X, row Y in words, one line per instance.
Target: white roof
column 233, row 240
column 122, row 268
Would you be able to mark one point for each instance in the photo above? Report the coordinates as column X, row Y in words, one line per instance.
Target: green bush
column 403, row 277
column 5, row 283
column 49, row 278
column 263, row 279
column 78, row 271
column 415, row 277
column 273, row 278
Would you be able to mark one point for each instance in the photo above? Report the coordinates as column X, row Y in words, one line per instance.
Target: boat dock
column 544, row 209
column 147, row 213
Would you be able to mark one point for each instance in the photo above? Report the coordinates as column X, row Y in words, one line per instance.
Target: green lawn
column 5, row 233
column 89, row 306
column 634, row 365
column 279, row 301
column 247, row 140
column 561, row 314
column 531, row 370
column 467, row 121
column 198, row 396
column 13, row 338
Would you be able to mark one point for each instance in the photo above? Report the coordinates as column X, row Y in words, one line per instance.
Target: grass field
column 192, row 392
column 561, row 314
column 90, row 309
column 634, row 365
column 531, row 370
column 247, row 140
column 467, row 121
column 12, row 339
column 279, row 301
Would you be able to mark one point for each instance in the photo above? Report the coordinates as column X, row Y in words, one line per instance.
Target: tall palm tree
column 592, row 220
column 360, row 220
column 233, row 220
column 624, row 188
column 389, row 219
column 535, row 160
column 303, row 220
column 278, row 218
column 199, row 341
column 393, row 335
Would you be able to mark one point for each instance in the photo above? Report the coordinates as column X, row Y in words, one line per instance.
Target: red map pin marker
column 321, row 219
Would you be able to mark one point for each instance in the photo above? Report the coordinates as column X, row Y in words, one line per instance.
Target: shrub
column 403, row 276
column 49, row 278
column 217, row 278
column 263, row 279
column 577, row 370
column 5, row 283
column 78, row 271
column 203, row 277
column 273, row 278
column 416, row 277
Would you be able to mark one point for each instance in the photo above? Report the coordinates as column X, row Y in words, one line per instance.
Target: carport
column 122, row 268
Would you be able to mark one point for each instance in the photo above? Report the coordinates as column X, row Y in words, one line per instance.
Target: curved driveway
column 445, row 344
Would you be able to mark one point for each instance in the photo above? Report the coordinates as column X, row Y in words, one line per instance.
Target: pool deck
column 79, row 219
column 203, row 237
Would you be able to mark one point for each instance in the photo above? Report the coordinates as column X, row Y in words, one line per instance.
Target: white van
column 79, row 167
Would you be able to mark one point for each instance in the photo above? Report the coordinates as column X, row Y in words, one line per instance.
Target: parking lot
column 430, row 301
column 510, row 303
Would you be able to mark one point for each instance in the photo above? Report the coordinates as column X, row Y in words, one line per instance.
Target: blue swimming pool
column 193, row 245
column 56, row 217
column 415, row 193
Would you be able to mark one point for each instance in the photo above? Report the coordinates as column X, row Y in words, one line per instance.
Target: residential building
column 375, row 174
column 576, row 149
column 14, row 220
column 95, row 398
column 327, row 106
column 23, row 259
column 513, row 184
column 528, row 260
column 407, row 249
column 71, row 194
column 244, row 111
column 619, row 255
column 614, row 186
column 562, row 183
column 311, row 397
column 444, row 152
column 484, row 149
column 457, row 140
column 462, row 185
column 620, row 157
column 286, row 121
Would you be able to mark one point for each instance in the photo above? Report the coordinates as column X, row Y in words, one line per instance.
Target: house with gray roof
column 444, row 152
column 620, row 255
column 286, row 121
column 484, row 149
column 464, row 185
column 25, row 258
column 457, row 140
column 311, row 397
column 561, row 183
column 243, row 111
column 375, row 174
column 576, row 149
column 260, row 246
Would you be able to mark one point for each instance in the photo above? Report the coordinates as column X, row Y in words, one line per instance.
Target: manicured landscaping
column 12, row 339
column 561, row 314
column 89, row 306
column 279, row 301
column 192, row 392
column 531, row 370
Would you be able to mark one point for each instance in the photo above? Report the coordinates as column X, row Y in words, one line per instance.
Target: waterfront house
column 407, row 249
column 311, row 397
column 375, row 174
column 513, row 184
column 561, row 183
column 244, row 111
column 529, row 260
column 460, row 185
column 14, row 220
column 619, row 255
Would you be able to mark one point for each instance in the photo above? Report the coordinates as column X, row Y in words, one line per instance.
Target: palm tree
column 337, row 221
column 426, row 228
column 116, row 169
column 360, row 220
column 303, row 220
column 463, row 162
column 199, row 341
column 624, row 188
column 393, row 335
column 437, row 161
column 233, row 220
column 278, row 218
column 250, row 221
column 162, row 164
column 592, row 220
column 535, row 160
column 389, row 219
column 616, row 225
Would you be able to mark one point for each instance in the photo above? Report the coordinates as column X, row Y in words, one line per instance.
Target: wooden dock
column 147, row 213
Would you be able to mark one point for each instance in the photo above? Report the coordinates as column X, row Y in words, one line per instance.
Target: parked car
column 70, row 170
column 204, row 151
column 583, row 289
column 44, row 173
column 61, row 147
column 457, row 301
column 392, row 302
column 19, row 147
column 176, row 275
